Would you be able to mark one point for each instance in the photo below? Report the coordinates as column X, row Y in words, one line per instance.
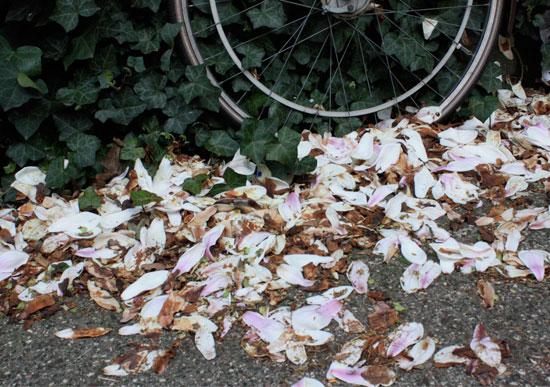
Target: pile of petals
column 200, row 263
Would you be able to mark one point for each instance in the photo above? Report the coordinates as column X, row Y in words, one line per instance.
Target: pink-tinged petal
column 253, row 239
column 405, row 336
column 381, row 193
column 269, row 330
column 189, row 259
column 293, row 202
column 418, row 277
column 419, row 354
column 308, row 382
column 534, row 261
column 428, row 273
column 347, row 374
column 11, row 261
column 313, row 317
column 211, row 238
column 216, row 282
column 146, row 282
column 358, row 274
column 411, row 251
column 485, row 348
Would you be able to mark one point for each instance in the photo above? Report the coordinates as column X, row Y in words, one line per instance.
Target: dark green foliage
column 78, row 74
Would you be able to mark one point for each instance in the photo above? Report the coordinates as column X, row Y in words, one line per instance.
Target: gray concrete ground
column 449, row 310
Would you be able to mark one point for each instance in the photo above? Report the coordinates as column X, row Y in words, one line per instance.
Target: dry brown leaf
column 486, row 292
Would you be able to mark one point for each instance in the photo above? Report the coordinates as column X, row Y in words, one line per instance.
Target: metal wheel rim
column 456, row 95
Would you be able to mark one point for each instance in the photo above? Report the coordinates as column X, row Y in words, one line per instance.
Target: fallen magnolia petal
column 189, row 259
column 411, row 251
column 358, row 275
column 351, row 352
column 308, row 382
column 420, row 353
column 534, row 260
column 134, row 363
column 74, row 334
column 293, row 275
column 146, row 282
column 10, row 261
column 241, row 164
column 301, row 260
column 446, row 357
column 485, row 348
column 418, row 277
column 486, row 292
column 405, row 336
column 429, row 114
column 313, row 317
column 347, row 374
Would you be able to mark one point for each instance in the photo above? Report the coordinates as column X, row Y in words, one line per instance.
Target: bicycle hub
column 348, row 9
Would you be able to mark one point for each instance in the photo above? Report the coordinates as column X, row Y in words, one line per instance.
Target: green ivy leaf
column 83, row 47
column 23, row 152
column 28, row 60
column 482, row 106
column 257, row 137
column 194, row 185
column 122, row 109
column 67, row 12
column 270, row 14
column 169, row 31
column 150, row 90
column 198, row 86
column 89, row 200
column 69, row 124
column 286, row 151
column 491, row 77
column 131, row 149
column 233, row 179
column 56, row 177
column 136, row 62
column 306, row 165
column 253, row 55
column 142, row 198
column 28, row 118
column 153, row 5
column 85, row 147
column 82, row 92
column 221, row 144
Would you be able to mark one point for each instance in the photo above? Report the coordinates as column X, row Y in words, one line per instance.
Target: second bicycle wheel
column 334, row 60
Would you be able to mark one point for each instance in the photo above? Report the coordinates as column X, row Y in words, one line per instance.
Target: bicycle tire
column 189, row 47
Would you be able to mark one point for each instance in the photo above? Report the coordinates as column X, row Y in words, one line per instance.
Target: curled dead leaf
column 486, row 291
column 74, row 334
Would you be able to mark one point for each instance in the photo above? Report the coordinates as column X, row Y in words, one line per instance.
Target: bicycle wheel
column 334, row 60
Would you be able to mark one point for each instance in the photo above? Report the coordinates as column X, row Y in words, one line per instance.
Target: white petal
column 411, row 251
column 423, row 181
column 419, row 354
column 146, row 282
column 358, row 275
column 293, row 275
column 485, row 348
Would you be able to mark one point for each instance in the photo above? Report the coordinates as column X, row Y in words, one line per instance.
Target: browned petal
column 486, row 292
column 383, row 317
column 39, row 303
column 379, row 374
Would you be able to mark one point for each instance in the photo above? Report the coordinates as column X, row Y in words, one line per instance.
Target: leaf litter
column 167, row 258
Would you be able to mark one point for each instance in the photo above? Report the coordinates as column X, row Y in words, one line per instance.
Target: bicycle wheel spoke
column 307, row 77
column 303, row 25
column 421, row 46
column 263, row 35
column 374, row 45
column 339, row 61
